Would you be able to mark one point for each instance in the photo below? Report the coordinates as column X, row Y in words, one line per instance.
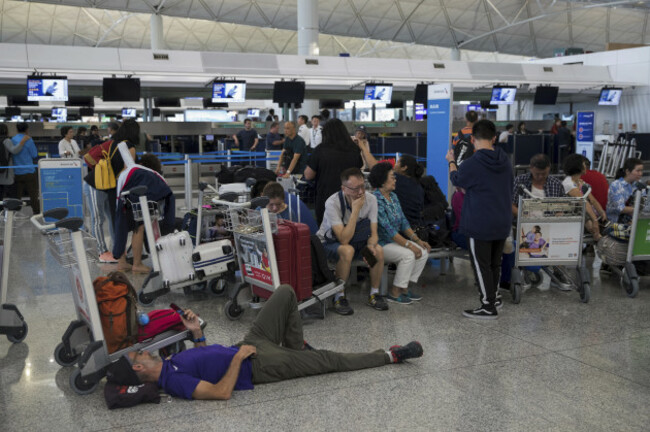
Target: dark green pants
column 277, row 335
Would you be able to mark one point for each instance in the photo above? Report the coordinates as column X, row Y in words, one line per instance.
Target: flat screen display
column 47, row 89
column 420, row 111
column 421, row 94
column 253, row 113
column 121, row 90
column 207, row 116
column 610, row 96
column 546, row 95
column 503, row 95
column 289, row 92
column 129, row 113
column 60, row 114
column 11, row 112
column 378, row 92
column 229, row 91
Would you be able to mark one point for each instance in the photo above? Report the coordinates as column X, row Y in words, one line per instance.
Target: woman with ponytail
column 621, row 189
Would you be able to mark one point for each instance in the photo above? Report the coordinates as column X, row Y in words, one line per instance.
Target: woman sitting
column 622, row 189
column 574, row 167
column 408, row 190
column 401, row 245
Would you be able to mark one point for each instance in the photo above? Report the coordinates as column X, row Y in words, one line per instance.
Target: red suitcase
column 293, row 253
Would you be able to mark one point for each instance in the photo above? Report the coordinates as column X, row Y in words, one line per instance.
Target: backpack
column 104, row 174
column 160, row 320
column 320, row 271
column 463, row 150
column 435, row 202
column 189, row 224
column 258, row 173
column 116, row 300
column 5, row 156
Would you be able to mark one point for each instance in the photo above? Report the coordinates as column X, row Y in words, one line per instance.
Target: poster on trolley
column 254, row 259
column 539, row 243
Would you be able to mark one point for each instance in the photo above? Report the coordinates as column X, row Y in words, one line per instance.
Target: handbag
column 361, row 230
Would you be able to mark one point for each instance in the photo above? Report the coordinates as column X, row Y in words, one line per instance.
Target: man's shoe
column 342, row 307
column 482, row 313
column 413, row 296
column 408, row 351
column 107, row 258
column 561, row 282
column 377, row 302
column 402, row 299
column 498, row 303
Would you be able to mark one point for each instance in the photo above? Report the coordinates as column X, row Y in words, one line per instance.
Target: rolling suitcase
column 175, row 256
column 213, row 258
column 293, row 253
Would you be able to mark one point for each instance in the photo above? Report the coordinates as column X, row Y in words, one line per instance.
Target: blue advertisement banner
column 439, row 133
column 585, row 134
column 60, row 182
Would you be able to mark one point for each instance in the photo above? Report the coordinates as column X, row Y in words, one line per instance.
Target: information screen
column 229, row 91
column 47, row 89
column 60, row 114
column 503, row 95
column 381, row 92
column 610, row 96
column 129, row 112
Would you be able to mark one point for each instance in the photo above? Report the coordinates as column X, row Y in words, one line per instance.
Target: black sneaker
column 498, row 303
column 481, row 313
column 408, row 351
column 342, row 307
column 377, row 302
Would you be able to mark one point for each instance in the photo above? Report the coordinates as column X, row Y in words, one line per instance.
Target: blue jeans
column 97, row 202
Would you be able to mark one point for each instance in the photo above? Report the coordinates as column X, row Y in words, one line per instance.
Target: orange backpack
column 116, row 299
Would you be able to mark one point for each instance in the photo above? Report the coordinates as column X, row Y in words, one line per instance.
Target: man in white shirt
column 316, row 132
column 503, row 137
column 303, row 129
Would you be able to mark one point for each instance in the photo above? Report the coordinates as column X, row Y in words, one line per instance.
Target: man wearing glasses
column 350, row 226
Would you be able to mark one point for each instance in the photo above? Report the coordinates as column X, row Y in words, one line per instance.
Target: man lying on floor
column 273, row 350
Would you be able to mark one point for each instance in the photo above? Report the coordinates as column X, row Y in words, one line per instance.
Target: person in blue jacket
column 486, row 218
column 278, row 200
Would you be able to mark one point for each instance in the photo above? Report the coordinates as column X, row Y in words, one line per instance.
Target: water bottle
column 143, row 318
column 584, row 153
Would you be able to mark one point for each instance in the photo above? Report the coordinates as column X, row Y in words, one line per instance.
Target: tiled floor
column 550, row 363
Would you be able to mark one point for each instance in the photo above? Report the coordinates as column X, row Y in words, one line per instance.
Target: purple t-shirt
column 182, row 372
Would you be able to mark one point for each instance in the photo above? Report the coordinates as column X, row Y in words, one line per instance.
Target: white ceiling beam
column 531, row 29
column 358, row 18
column 451, row 28
column 489, row 18
column 498, row 11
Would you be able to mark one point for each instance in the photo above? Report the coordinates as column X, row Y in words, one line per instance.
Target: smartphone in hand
column 177, row 309
column 369, row 257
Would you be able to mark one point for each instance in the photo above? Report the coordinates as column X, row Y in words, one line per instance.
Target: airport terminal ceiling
column 515, row 29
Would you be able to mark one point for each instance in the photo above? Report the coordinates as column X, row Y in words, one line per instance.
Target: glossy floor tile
column 550, row 363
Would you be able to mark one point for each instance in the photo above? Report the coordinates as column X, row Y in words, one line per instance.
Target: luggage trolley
column 154, row 284
column 560, row 225
column 83, row 341
column 253, row 232
column 12, row 322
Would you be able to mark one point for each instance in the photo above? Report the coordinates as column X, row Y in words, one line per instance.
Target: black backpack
column 320, row 271
column 258, row 173
column 5, row 156
column 435, row 202
column 226, row 175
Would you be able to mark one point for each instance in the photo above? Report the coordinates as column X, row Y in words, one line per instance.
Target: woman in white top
column 574, row 167
column 68, row 148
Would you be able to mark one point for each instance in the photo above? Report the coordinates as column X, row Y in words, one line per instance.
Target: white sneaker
column 545, row 284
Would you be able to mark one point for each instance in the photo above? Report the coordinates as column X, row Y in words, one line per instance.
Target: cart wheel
column 81, row 385
column 218, row 286
column 145, row 299
column 534, row 278
column 233, row 311
column 585, row 292
column 515, row 292
column 19, row 334
column 63, row 357
column 629, row 284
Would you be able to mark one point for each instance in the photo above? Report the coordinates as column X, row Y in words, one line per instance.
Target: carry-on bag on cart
column 116, row 299
column 175, row 255
column 213, row 258
column 160, row 320
column 293, row 251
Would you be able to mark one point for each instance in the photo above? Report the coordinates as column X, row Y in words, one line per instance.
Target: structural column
column 308, row 28
column 156, row 30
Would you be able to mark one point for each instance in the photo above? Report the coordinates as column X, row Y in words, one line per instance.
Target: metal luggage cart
column 561, row 221
column 638, row 247
column 253, row 231
column 149, row 213
column 12, row 322
column 83, row 342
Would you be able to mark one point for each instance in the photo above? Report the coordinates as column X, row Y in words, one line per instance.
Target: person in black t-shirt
column 246, row 139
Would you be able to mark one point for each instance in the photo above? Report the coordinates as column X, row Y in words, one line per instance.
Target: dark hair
column 257, row 188
column 540, row 161
column 81, row 129
column 22, row 127
column 379, row 174
column 304, row 118
column 350, row 172
column 316, row 116
column 573, row 164
column 325, row 114
column 151, row 161
column 587, row 162
column 336, row 136
column 563, row 123
column 129, row 131
column 509, row 126
column 471, row 116
column 274, row 124
column 273, row 190
column 271, row 111
column 247, row 120
column 113, row 125
column 413, row 168
column 628, row 165
column 520, row 125
column 65, row 130
column 4, row 131
column 484, row 130
column 94, row 128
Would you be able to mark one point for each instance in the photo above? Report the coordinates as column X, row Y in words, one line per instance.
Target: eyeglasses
column 356, row 189
column 137, row 353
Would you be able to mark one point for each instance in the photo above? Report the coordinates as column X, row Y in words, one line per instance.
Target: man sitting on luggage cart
column 273, row 350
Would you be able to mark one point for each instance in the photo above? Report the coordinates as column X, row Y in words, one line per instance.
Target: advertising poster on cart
column 642, row 238
column 540, row 242
column 254, row 257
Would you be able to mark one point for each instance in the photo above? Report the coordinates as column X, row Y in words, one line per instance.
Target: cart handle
column 136, row 191
column 261, row 201
column 12, row 204
column 36, row 221
column 72, row 224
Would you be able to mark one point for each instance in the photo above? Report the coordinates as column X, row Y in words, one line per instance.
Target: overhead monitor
column 86, row 112
column 289, row 92
column 11, row 112
column 503, row 95
column 229, row 91
column 198, row 115
column 378, row 92
column 332, row 104
column 253, row 112
column 41, row 88
column 20, row 101
column 167, row 102
column 121, row 89
column 546, row 95
column 610, row 96
column 81, row 101
column 129, row 113
column 421, row 94
column 60, row 114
